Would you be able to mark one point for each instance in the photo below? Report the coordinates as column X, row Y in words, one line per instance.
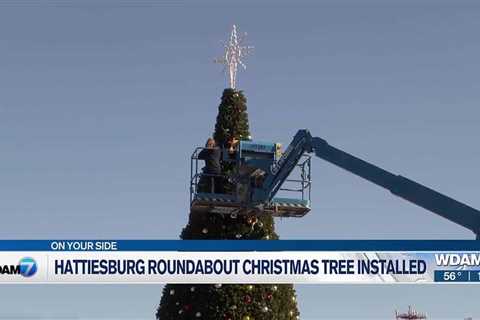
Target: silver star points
column 235, row 52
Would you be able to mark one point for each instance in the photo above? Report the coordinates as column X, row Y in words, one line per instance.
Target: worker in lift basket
column 212, row 170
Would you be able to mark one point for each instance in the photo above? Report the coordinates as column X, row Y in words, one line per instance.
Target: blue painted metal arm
column 281, row 169
column 407, row 189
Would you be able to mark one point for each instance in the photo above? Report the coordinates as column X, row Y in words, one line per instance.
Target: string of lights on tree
column 263, row 304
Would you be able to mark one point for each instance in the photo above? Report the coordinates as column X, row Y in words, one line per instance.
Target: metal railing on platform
column 300, row 183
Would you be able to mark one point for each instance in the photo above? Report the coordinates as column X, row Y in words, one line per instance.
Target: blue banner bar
column 239, row 245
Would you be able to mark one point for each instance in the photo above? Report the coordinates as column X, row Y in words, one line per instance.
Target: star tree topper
column 235, row 51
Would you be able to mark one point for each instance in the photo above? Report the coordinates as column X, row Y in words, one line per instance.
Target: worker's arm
column 205, row 153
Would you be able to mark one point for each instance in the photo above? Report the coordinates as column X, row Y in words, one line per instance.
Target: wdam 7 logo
column 28, row 267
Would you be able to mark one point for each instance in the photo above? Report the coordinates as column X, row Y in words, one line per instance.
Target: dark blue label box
column 475, row 276
column 452, row 276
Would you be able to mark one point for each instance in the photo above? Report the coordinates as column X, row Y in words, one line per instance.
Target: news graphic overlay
column 203, row 261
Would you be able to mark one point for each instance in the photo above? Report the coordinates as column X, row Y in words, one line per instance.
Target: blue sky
column 103, row 102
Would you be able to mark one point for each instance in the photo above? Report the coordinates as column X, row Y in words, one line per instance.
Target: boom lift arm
column 398, row 185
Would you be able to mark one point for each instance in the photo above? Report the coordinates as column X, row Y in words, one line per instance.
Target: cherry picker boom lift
column 261, row 173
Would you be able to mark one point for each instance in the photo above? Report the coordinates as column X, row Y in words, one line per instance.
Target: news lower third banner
column 225, row 261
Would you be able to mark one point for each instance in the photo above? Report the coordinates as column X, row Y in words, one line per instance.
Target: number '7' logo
column 28, row 267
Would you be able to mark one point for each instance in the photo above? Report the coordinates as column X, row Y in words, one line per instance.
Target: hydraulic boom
column 405, row 188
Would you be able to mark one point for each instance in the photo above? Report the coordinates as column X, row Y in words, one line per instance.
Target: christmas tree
column 233, row 301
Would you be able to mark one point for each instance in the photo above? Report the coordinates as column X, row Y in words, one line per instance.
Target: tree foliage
column 229, row 302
